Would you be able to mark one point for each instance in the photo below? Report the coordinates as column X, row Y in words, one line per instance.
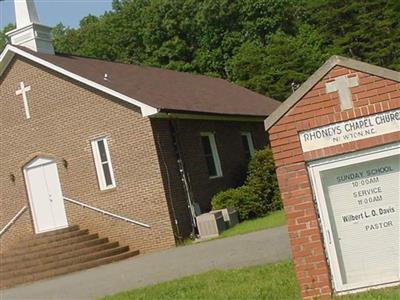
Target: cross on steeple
column 342, row 84
column 22, row 91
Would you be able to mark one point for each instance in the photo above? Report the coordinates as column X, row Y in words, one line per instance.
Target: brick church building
column 130, row 152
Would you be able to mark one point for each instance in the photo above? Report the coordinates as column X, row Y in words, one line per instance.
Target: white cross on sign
column 342, row 84
column 22, row 91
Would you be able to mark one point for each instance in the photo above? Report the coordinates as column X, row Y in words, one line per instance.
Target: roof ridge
column 160, row 69
column 139, row 65
column 150, row 88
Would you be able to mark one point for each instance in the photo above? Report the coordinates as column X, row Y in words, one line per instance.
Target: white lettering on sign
column 363, row 202
column 358, row 198
column 350, row 131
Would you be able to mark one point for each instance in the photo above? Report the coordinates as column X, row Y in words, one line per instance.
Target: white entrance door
column 45, row 195
column 358, row 197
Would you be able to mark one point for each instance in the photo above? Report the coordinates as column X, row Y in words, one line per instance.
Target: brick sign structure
column 336, row 144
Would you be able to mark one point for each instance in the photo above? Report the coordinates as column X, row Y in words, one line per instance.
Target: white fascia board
column 5, row 58
column 9, row 52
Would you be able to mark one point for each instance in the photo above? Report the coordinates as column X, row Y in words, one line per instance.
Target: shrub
column 243, row 199
column 262, row 179
column 259, row 195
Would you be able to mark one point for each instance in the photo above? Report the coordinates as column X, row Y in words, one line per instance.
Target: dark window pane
column 205, row 140
column 102, row 151
column 107, row 174
column 246, row 146
column 212, row 171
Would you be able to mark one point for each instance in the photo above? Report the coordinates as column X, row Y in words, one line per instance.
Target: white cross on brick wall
column 342, row 85
column 22, row 91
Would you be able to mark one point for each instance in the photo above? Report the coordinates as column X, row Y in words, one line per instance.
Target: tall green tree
column 366, row 30
column 283, row 64
column 266, row 45
column 3, row 38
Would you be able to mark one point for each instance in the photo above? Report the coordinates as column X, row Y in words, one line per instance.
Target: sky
column 52, row 12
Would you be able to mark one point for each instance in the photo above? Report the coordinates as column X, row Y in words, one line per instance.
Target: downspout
column 177, row 234
column 182, row 171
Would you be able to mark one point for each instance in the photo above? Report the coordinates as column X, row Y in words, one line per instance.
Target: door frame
column 38, row 161
column 314, row 169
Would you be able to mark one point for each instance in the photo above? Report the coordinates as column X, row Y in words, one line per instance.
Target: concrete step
column 63, row 263
column 63, row 255
column 9, row 282
column 56, row 232
column 47, row 239
column 55, row 253
column 12, row 258
column 55, row 244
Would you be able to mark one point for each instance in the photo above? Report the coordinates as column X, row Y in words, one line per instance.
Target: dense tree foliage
column 265, row 45
column 3, row 32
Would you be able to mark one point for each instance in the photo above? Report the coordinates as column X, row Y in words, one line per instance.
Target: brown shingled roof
column 167, row 90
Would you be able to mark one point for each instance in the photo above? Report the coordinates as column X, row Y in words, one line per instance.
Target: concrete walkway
column 239, row 251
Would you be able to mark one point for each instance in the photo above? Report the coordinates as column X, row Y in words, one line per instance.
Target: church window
column 102, row 159
column 211, row 154
column 248, row 146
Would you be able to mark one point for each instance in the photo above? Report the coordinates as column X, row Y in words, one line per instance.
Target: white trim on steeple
column 25, row 13
column 10, row 51
column 29, row 32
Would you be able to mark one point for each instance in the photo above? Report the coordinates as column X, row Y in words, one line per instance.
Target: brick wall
column 66, row 116
column 231, row 153
column 316, row 109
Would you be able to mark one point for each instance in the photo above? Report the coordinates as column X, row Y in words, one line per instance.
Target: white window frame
column 314, row 169
column 249, row 138
column 214, row 152
column 99, row 164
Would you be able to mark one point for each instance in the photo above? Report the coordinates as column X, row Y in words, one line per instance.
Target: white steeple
column 25, row 13
column 29, row 32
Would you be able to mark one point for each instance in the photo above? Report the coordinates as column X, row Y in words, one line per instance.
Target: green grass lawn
column 269, row 282
column 272, row 282
column 274, row 219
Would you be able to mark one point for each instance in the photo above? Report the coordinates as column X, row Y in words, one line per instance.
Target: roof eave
column 195, row 115
column 319, row 74
column 9, row 52
column 5, row 58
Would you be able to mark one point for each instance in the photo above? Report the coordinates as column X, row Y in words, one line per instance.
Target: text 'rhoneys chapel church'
column 106, row 160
